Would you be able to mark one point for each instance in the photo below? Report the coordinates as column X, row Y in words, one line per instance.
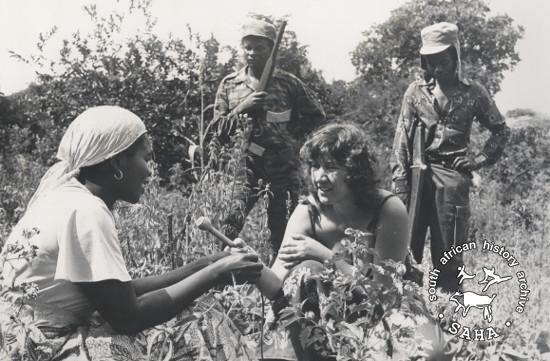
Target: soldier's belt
column 448, row 164
column 281, row 117
column 445, row 163
column 256, row 149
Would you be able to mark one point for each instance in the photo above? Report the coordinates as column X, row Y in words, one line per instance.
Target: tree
column 487, row 43
column 387, row 60
column 168, row 83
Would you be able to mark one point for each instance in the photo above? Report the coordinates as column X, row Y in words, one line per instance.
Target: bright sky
column 331, row 28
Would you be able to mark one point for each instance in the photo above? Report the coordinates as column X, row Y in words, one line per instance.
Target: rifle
column 269, row 67
column 270, row 63
column 418, row 170
column 267, row 72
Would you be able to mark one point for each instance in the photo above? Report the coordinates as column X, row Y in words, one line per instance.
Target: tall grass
column 158, row 234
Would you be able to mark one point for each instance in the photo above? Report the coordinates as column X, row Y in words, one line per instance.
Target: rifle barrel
column 270, row 63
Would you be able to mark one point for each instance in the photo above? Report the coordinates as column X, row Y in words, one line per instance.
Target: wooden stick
column 203, row 223
column 268, row 282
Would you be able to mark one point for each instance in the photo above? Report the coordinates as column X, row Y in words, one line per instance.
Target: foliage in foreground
column 159, row 234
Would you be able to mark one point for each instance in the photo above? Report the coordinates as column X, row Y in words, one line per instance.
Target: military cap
column 438, row 37
column 256, row 27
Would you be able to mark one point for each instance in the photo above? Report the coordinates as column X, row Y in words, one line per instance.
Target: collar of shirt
column 242, row 76
column 427, row 87
column 430, row 84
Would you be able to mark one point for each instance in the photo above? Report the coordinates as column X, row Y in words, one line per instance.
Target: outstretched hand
column 239, row 246
column 243, row 267
column 300, row 248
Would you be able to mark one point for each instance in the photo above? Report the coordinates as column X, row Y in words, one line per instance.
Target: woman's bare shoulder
column 392, row 207
column 300, row 218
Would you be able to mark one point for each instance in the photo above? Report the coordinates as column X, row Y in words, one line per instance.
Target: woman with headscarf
column 77, row 265
column 445, row 104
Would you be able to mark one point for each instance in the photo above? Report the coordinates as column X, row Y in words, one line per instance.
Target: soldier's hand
column 464, row 163
column 254, row 101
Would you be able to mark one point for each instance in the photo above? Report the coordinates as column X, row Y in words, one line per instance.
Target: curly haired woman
column 343, row 194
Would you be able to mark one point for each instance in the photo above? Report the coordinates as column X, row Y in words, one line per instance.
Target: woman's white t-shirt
column 77, row 242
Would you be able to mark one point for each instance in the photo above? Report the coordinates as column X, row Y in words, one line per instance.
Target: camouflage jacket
column 291, row 113
column 447, row 133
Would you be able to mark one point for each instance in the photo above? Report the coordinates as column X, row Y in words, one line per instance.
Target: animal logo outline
column 492, row 278
column 472, row 299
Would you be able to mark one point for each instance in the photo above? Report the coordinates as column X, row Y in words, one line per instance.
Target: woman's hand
column 243, row 267
column 300, row 248
column 240, row 246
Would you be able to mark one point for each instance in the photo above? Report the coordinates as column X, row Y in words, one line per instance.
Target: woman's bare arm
column 128, row 313
column 299, row 223
column 272, row 279
column 391, row 232
column 391, row 235
column 152, row 283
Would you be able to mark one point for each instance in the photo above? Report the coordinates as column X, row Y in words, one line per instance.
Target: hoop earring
column 118, row 176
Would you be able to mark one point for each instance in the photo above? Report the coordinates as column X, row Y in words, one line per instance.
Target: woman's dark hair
column 347, row 145
column 428, row 77
column 103, row 167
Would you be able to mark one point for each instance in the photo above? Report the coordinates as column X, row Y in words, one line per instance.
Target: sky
column 331, row 29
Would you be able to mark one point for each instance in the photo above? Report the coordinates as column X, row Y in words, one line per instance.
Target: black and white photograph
column 274, row 180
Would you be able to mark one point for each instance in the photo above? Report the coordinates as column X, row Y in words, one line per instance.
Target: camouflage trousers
column 445, row 210
column 283, row 188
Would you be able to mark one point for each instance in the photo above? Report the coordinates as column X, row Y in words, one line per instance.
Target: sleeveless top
column 314, row 215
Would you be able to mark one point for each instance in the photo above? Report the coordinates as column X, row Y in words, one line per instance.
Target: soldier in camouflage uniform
column 446, row 104
column 278, row 119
